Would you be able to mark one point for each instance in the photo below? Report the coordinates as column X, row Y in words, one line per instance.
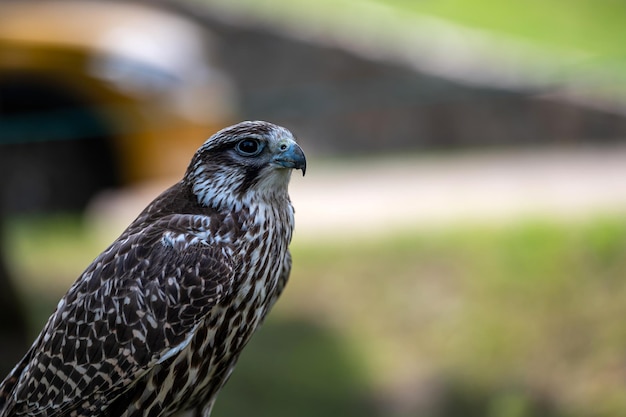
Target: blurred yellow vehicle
column 97, row 94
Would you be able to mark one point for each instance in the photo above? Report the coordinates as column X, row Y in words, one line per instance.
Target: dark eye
column 248, row 147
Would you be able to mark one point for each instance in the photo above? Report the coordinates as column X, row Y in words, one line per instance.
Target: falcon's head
column 246, row 161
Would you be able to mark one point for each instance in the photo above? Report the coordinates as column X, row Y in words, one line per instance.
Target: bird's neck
column 259, row 219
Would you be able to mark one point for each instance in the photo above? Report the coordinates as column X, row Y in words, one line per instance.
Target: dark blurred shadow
column 13, row 329
column 56, row 151
column 296, row 368
column 463, row 398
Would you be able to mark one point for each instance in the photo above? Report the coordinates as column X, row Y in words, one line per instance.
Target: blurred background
column 460, row 247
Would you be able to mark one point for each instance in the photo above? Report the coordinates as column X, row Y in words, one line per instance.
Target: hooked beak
column 291, row 157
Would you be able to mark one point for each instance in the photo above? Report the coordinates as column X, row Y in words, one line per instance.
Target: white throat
column 220, row 190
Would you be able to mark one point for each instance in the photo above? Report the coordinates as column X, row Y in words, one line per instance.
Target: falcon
column 154, row 326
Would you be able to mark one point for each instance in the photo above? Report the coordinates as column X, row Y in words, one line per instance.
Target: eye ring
column 249, row 147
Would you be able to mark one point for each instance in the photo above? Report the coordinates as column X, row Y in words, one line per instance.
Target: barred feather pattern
column 155, row 324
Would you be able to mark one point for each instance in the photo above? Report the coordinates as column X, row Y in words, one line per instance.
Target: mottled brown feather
column 157, row 321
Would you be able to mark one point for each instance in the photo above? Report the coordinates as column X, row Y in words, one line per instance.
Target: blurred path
column 375, row 195
column 431, row 191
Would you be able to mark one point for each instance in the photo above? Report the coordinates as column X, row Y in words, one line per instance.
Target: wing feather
column 137, row 304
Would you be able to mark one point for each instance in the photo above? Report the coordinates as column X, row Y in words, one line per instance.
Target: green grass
column 592, row 30
column 533, row 308
column 595, row 27
column 516, row 320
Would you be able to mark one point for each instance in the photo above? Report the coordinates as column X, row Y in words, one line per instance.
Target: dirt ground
column 424, row 191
